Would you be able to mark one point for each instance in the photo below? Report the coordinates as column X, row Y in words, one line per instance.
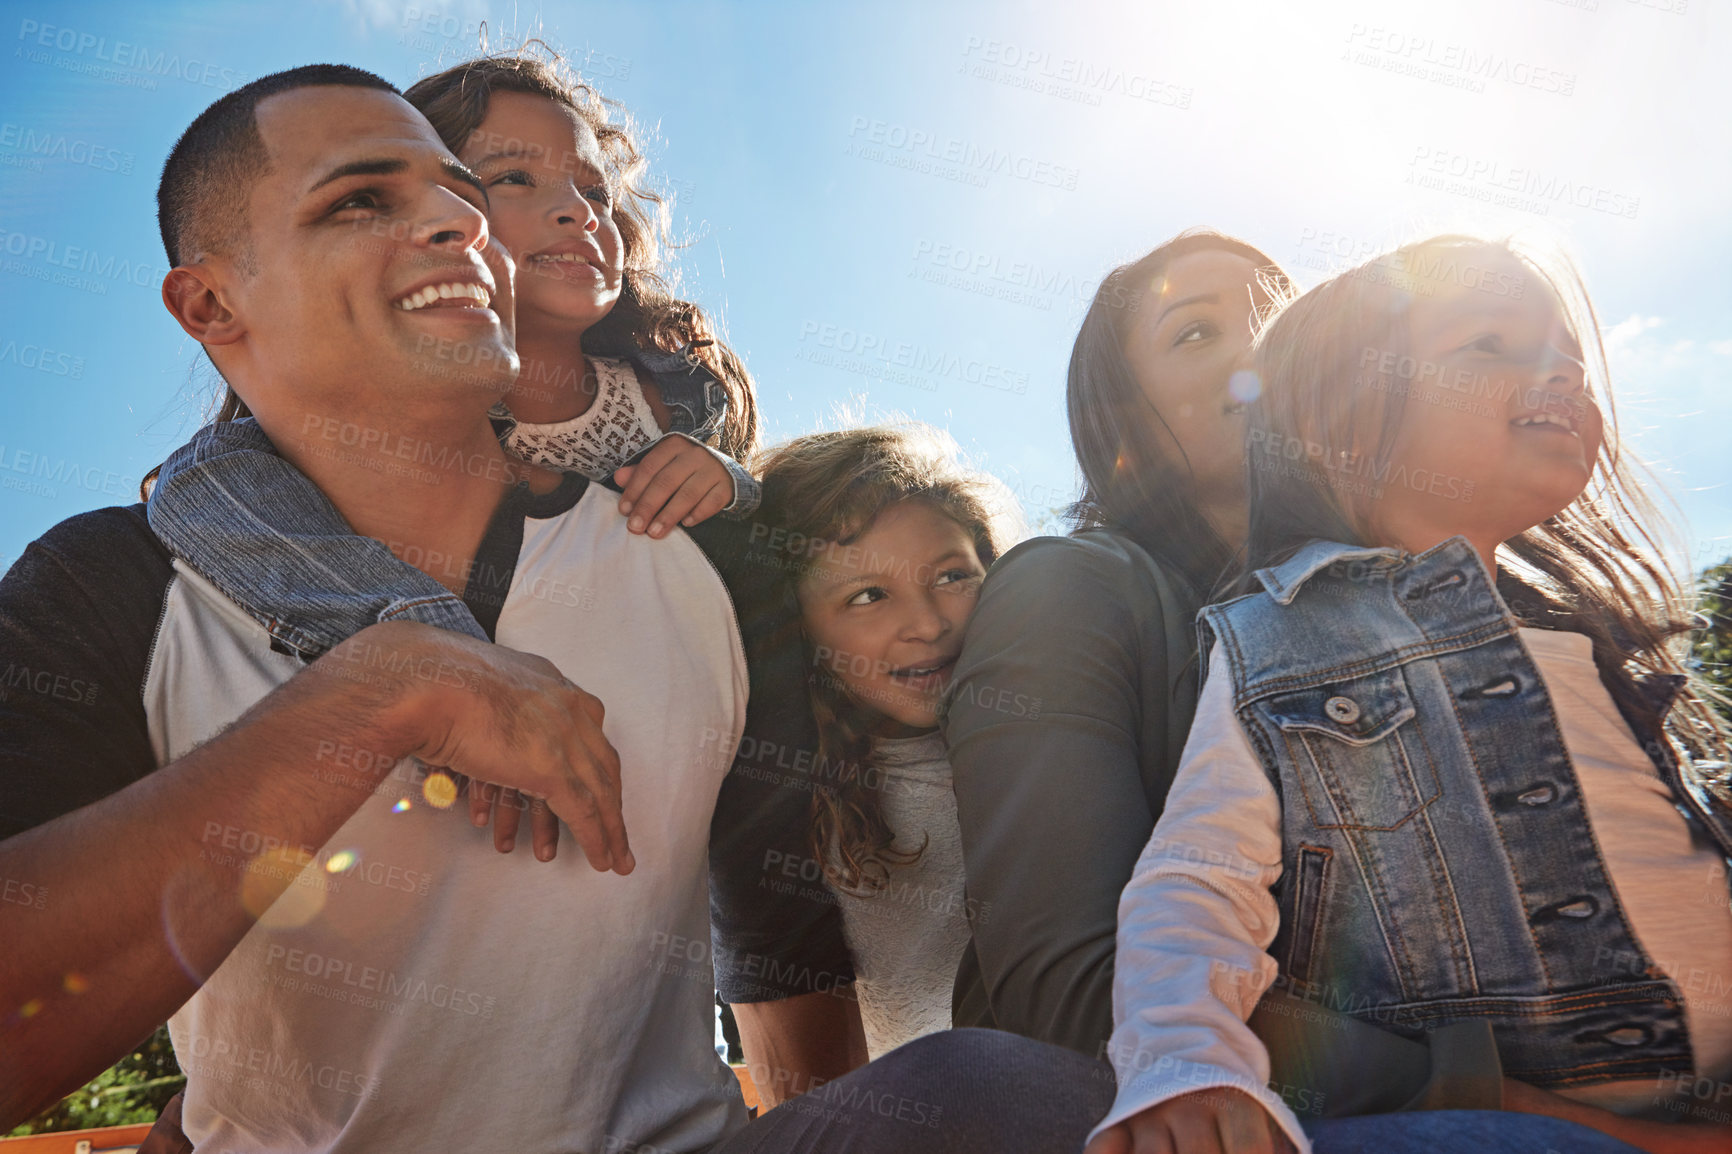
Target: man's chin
column 485, row 367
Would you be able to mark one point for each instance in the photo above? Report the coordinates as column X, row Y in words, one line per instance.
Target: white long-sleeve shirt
column 1195, row 924
column 1197, row 918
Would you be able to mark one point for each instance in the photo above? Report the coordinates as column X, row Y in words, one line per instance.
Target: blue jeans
column 1463, row 1131
column 956, row 1092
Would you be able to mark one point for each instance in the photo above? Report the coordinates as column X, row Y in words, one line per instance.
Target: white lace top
column 908, row 937
column 616, row 427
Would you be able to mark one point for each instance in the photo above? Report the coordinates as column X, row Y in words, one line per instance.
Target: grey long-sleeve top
column 1065, row 722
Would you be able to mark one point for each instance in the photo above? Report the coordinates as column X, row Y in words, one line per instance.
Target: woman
column 1056, row 804
column 1055, row 807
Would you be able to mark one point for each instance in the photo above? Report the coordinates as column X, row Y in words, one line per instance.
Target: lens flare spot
column 75, row 983
column 402, row 806
column 439, row 790
column 342, row 861
column 280, row 891
column 1244, row 386
column 31, row 1008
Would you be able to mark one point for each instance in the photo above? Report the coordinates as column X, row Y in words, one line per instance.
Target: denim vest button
column 1341, row 709
column 1539, row 795
column 1582, row 908
column 1628, row 1036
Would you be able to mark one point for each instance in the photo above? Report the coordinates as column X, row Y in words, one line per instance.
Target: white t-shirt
column 416, row 990
column 907, row 938
column 1197, row 919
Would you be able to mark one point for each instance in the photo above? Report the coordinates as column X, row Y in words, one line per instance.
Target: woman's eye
column 512, row 176
column 868, row 596
column 1194, row 332
column 1489, row 343
column 599, row 194
column 951, row 576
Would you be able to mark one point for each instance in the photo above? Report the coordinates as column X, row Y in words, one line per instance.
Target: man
column 257, row 848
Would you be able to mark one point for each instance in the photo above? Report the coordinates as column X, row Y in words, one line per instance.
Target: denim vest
column 1437, row 861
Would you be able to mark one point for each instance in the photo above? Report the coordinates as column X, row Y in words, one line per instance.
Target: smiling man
column 255, row 845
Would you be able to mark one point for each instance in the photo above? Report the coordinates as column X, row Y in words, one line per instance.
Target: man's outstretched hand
column 499, row 716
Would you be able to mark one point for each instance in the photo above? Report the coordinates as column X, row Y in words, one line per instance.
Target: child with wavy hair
column 882, row 538
column 1450, row 772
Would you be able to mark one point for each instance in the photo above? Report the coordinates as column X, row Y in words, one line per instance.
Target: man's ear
column 196, row 296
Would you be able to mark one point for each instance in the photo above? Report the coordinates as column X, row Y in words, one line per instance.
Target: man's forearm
column 145, row 897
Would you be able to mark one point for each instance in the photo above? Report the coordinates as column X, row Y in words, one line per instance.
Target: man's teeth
column 1560, row 421
column 445, row 292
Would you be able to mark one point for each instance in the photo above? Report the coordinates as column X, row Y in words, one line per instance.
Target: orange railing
column 114, row 1139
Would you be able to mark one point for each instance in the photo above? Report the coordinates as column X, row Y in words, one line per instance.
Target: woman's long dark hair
column 1136, row 477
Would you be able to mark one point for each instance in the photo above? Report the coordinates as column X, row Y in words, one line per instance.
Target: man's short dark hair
column 201, row 202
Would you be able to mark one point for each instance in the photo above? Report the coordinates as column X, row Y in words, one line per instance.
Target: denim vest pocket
column 1310, row 880
column 1359, row 763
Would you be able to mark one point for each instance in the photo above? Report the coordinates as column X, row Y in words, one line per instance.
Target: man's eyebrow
column 390, row 166
column 386, row 166
column 457, row 170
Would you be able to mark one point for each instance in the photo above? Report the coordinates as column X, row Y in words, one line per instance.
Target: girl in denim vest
column 1449, row 773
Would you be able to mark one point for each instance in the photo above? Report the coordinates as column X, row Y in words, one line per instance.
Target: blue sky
column 936, row 184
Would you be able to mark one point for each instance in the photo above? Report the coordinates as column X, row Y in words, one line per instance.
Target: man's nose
column 452, row 222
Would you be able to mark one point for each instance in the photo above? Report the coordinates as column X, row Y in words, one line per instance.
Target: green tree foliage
column 1713, row 644
column 135, row 1089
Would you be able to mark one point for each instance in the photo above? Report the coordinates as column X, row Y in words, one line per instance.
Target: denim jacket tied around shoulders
column 253, row 524
column 1437, row 862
